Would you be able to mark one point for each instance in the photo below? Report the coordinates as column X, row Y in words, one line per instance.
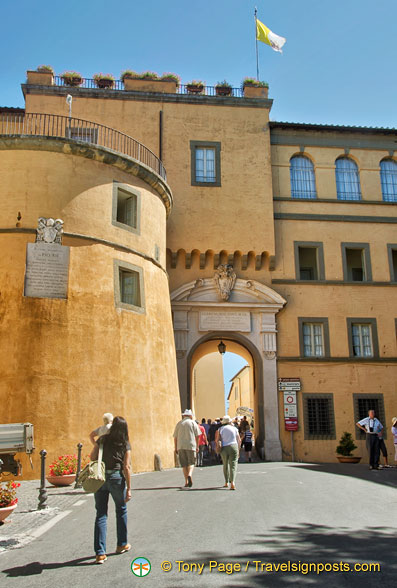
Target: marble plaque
column 47, row 269
column 225, row 321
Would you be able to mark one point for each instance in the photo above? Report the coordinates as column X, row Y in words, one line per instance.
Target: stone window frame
column 118, row 265
column 390, row 248
column 319, row 245
column 326, row 344
column 367, row 261
column 314, row 437
column 360, row 435
column 210, row 144
column 374, row 336
column 134, row 192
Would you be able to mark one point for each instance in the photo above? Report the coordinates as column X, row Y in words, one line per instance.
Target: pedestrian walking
column 229, row 436
column 383, row 449
column 206, row 425
column 372, row 427
column 186, row 438
column 103, row 429
column 117, row 460
column 247, row 439
column 394, row 432
column 202, row 445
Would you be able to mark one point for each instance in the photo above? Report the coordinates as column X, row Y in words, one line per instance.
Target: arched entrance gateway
column 240, row 312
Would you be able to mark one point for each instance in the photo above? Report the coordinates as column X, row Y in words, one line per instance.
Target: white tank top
column 228, row 435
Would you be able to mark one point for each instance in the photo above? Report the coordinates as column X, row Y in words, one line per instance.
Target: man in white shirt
column 371, row 427
column 103, row 429
column 186, row 438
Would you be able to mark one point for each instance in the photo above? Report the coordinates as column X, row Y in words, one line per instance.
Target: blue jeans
column 114, row 485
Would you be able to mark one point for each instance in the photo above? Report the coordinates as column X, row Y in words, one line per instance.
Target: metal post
column 256, row 45
column 43, row 492
column 292, row 446
column 77, row 483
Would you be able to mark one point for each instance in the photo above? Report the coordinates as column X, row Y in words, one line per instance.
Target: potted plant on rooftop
column 72, row 78
column 223, row 88
column 195, row 87
column 42, row 76
column 104, row 80
column 253, row 88
column 8, row 498
column 63, row 470
column 149, row 81
column 345, row 448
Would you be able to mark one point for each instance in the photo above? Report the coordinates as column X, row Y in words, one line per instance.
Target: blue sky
column 338, row 65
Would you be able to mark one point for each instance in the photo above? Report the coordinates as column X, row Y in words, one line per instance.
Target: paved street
column 279, row 513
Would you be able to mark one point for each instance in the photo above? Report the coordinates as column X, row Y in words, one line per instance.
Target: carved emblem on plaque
column 225, row 278
column 49, row 230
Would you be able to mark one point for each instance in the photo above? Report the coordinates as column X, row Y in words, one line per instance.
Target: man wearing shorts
column 186, row 438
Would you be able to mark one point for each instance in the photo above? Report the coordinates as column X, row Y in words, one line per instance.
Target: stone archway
column 243, row 311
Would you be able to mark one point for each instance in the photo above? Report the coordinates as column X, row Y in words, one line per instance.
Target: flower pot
column 223, row 91
column 192, row 89
column 102, row 83
column 64, row 480
column 255, row 91
column 40, row 78
column 148, row 85
column 348, row 459
column 5, row 511
column 72, row 81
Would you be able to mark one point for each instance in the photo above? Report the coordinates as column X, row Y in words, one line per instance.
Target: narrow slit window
column 126, row 208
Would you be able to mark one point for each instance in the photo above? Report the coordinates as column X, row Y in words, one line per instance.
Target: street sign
column 290, row 411
column 291, row 424
column 289, row 397
column 289, row 384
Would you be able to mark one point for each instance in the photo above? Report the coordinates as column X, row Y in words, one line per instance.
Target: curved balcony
column 64, row 127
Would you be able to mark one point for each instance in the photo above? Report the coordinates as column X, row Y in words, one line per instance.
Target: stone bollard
column 77, row 483
column 42, row 492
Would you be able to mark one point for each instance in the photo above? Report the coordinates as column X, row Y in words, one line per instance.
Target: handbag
column 92, row 476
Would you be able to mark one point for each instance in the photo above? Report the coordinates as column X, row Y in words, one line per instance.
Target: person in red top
column 202, row 445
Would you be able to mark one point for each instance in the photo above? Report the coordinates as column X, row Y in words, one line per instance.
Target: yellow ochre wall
column 244, row 381
column 208, row 393
column 63, row 363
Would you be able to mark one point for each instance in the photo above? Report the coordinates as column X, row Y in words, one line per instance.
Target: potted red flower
column 104, row 80
column 223, row 88
column 8, row 498
column 63, row 470
column 72, row 78
column 195, row 87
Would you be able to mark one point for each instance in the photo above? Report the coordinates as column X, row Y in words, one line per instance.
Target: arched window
column 347, row 179
column 303, row 183
column 388, row 178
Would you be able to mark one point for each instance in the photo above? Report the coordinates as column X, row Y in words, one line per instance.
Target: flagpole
column 256, row 46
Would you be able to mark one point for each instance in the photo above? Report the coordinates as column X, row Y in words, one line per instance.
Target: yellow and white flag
column 264, row 34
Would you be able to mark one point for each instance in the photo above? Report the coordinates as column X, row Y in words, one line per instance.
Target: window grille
column 388, row 178
column 347, row 179
column 303, row 182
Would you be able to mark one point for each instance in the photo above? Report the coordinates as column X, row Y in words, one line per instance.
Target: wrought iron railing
column 53, row 125
column 182, row 88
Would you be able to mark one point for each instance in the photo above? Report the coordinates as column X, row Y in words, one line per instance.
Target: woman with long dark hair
column 117, row 460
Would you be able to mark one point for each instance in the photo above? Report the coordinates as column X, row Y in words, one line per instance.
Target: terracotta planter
column 72, row 81
column 223, row 91
column 192, row 89
column 146, row 85
column 6, row 511
column 348, row 459
column 65, row 480
column 256, row 92
column 102, row 83
column 40, row 78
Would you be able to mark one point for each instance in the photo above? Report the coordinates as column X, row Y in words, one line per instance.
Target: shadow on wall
column 309, row 544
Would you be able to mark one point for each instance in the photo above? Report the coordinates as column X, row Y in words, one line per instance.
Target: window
column 347, row 179
column 388, row 179
column 362, row 404
column 205, row 163
column 392, row 254
column 356, row 262
column 319, row 416
column 363, row 338
column 313, row 337
column 129, row 293
column 125, row 209
column 303, row 182
column 309, row 260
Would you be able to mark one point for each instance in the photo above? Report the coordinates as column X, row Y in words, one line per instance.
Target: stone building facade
column 280, row 240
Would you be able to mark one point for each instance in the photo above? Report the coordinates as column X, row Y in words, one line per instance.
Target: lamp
column 222, row 348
